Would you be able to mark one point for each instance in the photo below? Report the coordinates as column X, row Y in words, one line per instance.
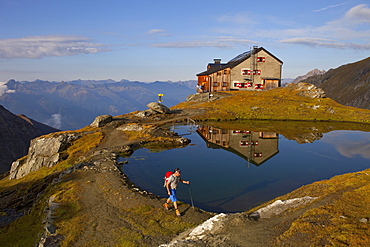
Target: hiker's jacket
column 173, row 181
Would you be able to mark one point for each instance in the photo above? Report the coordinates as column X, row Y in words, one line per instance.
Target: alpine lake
column 234, row 169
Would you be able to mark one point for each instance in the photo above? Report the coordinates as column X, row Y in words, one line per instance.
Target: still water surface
column 234, row 170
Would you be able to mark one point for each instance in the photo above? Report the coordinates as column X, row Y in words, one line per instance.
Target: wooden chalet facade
column 256, row 69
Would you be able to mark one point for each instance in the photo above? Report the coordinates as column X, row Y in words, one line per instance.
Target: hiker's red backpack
column 166, row 177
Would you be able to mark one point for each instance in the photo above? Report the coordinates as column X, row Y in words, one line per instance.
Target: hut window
column 261, row 59
column 246, row 72
column 224, row 84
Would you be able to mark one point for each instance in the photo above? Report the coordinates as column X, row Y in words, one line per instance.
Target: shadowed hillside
column 16, row 132
column 348, row 84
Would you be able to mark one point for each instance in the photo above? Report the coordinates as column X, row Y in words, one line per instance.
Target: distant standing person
column 171, row 186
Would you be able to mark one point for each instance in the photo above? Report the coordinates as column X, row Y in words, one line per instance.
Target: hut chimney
column 217, row 60
column 254, row 49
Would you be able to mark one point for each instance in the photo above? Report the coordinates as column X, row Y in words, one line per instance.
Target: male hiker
column 171, row 186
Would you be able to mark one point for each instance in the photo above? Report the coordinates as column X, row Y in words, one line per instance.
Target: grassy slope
column 277, row 104
column 339, row 221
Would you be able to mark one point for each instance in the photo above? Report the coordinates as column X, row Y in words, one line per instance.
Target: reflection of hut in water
column 255, row 147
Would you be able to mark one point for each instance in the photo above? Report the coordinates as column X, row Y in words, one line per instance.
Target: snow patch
column 202, row 231
column 207, row 226
column 280, row 206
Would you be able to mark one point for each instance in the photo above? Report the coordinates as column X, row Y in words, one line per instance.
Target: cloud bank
column 4, row 89
column 55, row 121
column 48, row 46
column 327, row 43
column 354, row 26
column 218, row 42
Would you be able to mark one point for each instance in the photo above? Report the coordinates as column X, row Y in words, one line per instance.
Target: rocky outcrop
column 101, row 121
column 307, row 90
column 43, row 152
column 158, row 107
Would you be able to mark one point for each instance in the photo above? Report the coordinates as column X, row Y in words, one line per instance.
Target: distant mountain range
column 16, row 132
column 74, row 104
column 348, row 84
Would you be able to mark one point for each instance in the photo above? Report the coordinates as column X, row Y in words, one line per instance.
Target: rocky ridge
column 309, row 74
column 16, row 132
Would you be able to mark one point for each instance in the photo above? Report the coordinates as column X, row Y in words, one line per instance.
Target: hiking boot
column 178, row 212
column 165, row 206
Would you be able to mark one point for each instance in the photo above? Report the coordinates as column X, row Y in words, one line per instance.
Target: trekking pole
column 191, row 198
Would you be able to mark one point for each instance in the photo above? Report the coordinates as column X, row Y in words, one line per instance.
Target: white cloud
column 328, row 43
column 353, row 19
column 331, row 6
column 218, row 42
column 48, row 46
column 349, row 32
column 157, row 32
column 4, row 89
column 350, row 144
column 55, row 121
column 358, row 14
column 355, row 149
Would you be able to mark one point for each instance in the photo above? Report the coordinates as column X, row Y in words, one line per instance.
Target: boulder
column 146, row 113
column 158, row 107
column 101, row 121
column 43, row 152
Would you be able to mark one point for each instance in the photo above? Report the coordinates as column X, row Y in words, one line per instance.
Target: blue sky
column 149, row 40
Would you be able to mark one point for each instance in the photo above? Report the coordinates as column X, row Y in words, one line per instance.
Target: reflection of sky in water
column 222, row 181
column 350, row 144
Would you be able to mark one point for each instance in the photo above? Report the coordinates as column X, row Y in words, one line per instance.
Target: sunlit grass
column 277, row 104
column 338, row 222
